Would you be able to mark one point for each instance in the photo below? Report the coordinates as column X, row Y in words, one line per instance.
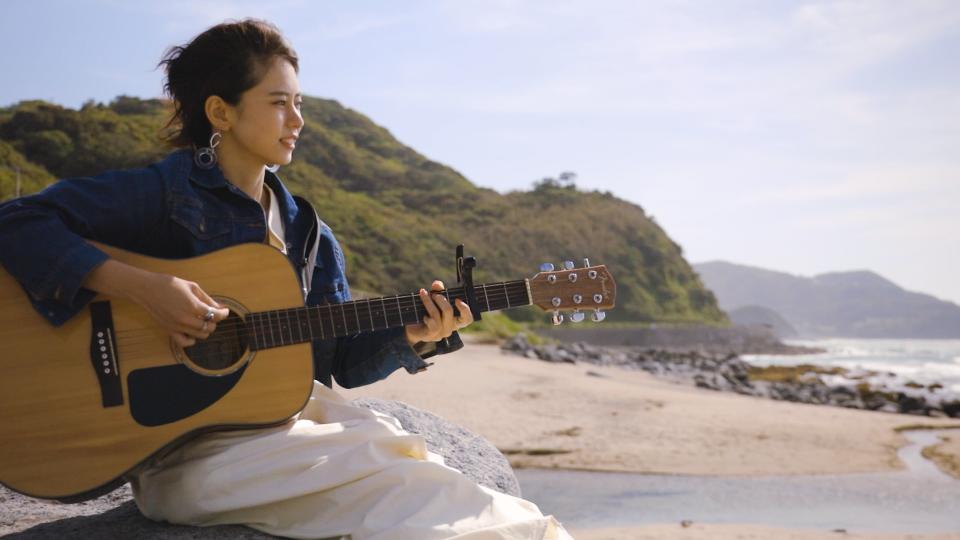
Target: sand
column 587, row 417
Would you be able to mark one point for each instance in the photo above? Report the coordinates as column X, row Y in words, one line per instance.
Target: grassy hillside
column 395, row 211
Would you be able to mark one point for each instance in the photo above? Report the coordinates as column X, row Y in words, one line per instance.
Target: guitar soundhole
column 224, row 349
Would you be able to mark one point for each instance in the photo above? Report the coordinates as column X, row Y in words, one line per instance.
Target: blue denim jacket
column 173, row 209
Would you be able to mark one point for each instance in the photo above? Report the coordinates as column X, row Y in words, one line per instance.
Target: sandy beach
column 585, row 417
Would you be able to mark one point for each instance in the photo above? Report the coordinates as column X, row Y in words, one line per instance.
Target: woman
column 333, row 470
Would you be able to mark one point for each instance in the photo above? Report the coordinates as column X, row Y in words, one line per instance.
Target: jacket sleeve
column 359, row 359
column 42, row 236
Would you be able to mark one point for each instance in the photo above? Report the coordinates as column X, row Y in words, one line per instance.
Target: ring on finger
column 208, row 316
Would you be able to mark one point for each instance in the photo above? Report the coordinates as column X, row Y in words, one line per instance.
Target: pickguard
column 165, row 394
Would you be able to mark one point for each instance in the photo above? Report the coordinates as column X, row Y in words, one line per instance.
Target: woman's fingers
column 183, row 340
column 466, row 316
column 431, row 321
column 208, row 303
column 441, row 321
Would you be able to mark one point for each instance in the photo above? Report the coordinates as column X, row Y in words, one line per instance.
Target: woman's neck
column 241, row 171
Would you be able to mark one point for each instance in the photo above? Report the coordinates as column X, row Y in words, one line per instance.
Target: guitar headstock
column 579, row 290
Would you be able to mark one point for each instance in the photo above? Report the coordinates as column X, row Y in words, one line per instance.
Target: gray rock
column 461, row 449
column 115, row 516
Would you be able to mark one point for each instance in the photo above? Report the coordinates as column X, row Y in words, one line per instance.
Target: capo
column 465, row 266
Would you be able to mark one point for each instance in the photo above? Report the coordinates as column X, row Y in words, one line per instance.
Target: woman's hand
column 177, row 305
column 180, row 307
column 440, row 321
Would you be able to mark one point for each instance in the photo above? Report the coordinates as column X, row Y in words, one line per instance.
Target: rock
column 115, row 515
column 461, row 449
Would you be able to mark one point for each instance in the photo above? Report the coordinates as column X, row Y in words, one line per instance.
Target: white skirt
column 335, row 470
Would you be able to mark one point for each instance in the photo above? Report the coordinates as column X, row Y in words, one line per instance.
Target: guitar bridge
column 103, row 354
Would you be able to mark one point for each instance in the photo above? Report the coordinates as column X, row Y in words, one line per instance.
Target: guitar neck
column 277, row 328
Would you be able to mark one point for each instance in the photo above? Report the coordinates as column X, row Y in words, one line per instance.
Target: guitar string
column 290, row 320
column 407, row 303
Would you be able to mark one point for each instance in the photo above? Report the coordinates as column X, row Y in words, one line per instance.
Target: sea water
column 923, row 361
column 920, row 499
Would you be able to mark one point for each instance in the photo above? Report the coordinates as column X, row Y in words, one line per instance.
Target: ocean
column 923, row 361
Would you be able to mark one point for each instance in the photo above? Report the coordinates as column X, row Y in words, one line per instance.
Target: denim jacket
column 173, row 209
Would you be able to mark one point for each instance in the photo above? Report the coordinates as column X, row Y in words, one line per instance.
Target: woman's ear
column 218, row 113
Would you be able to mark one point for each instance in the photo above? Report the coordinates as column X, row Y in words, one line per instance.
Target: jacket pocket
column 191, row 216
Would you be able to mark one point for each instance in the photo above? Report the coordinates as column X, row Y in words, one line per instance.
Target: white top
column 275, row 232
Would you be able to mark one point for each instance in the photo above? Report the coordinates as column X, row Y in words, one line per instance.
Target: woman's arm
column 43, row 246
column 42, row 236
column 176, row 304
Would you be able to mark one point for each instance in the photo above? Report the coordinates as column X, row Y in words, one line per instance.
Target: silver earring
column 273, row 168
column 206, row 158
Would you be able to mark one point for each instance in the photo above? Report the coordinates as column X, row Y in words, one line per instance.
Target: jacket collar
column 182, row 161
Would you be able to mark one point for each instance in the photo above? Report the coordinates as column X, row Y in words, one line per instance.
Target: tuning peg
column 568, row 265
column 586, row 262
column 576, row 316
column 598, row 316
column 557, row 318
column 546, row 267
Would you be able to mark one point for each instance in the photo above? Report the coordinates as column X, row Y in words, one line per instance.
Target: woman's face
column 267, row 120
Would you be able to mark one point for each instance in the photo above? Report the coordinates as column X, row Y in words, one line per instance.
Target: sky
column 804, row 137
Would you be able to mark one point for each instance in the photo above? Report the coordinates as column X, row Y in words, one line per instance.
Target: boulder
column 115, row 515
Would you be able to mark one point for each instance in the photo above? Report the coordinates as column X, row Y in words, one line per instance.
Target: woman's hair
column 226, row 61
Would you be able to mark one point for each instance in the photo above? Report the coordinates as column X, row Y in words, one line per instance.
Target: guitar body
column 69, row 427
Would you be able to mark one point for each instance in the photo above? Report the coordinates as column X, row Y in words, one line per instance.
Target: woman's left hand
column 440, row 320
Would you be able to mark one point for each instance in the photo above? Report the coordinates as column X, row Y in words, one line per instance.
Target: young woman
column 335, row 469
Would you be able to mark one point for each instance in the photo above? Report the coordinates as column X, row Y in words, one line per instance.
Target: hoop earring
column 272, row 168
column 206, row 157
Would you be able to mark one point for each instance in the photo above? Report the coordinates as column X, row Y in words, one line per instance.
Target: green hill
column 394, row 210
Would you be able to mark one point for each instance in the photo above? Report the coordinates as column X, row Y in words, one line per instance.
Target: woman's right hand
column 177, row 305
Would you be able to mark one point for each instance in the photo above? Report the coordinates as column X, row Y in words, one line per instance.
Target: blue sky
column 804, row 137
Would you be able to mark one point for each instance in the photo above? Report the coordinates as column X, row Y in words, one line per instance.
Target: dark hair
column 226, row 61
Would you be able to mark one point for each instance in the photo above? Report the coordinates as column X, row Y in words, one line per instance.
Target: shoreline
column 595, row 418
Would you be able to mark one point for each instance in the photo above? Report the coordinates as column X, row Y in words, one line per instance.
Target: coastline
column 588, row 417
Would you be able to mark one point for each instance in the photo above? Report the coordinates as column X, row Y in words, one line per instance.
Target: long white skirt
column 335, row 470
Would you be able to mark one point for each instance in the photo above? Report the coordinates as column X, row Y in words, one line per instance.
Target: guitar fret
column 343, row 313
column 399, row 310
column 370, row 312
column 273, row 342
column 253, row 330
column 357, row 314
column 307, row 320
column 319, row 320
column 299, row 326
column 289, row 327
column 416, row 311
column 507, row 293
column 485, row 297
column 386, row 322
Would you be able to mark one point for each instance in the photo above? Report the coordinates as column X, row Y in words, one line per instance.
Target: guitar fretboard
column 268, row 329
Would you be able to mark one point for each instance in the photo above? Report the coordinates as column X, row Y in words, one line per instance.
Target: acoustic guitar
column 84, row 403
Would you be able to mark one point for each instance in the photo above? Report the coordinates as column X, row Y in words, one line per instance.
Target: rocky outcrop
column 116, row 516
column 727, row 372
